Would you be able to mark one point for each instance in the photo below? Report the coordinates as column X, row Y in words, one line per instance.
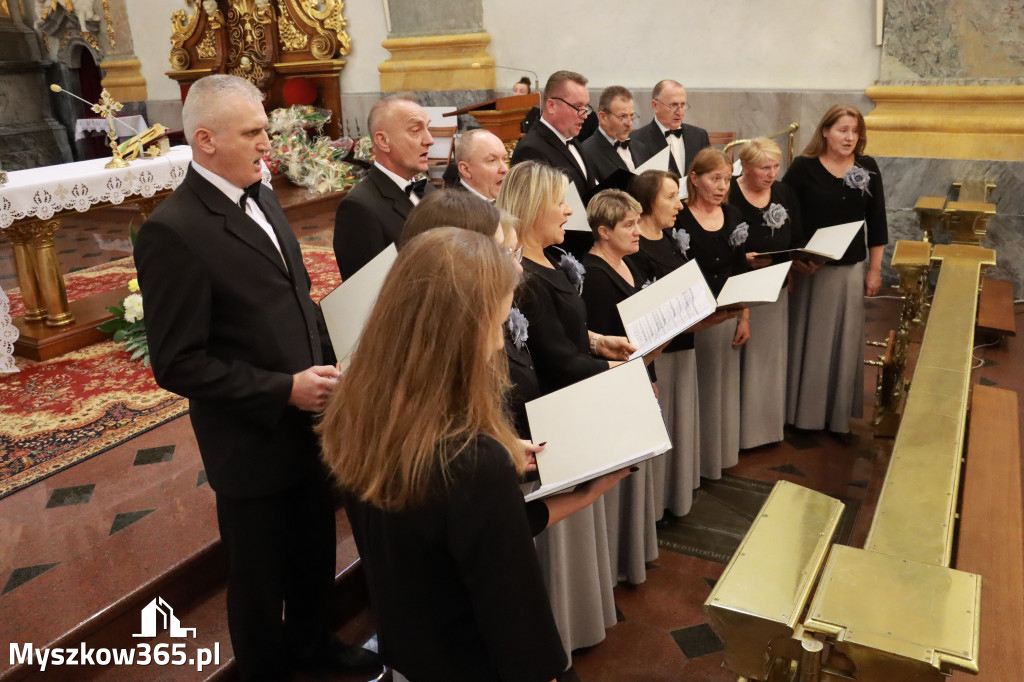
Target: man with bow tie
column 565, row 105
column 611, row 148
column 372, row 215
column 667, row 129
column 232, row 327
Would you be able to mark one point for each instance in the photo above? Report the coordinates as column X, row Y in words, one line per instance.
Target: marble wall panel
column 440, row 17
column 954, row 42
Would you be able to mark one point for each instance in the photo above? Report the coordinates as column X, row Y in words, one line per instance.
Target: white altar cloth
column 42, row 192
column 124, row 126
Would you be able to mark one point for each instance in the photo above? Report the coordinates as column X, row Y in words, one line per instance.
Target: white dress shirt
column 472, row 190
column 678, row 151
column 400, row 181
column 624, row 154
column 252, row 209
column 572, row 148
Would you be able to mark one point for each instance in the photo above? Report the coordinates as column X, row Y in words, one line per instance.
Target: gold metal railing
column 789, row 130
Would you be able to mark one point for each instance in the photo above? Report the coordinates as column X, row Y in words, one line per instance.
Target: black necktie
column 250, row 192
column 678, row 132
column 621, row 144
column 416, row 187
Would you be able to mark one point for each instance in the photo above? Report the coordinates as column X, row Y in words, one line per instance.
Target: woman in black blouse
column 574, row 553
column 834, row 183
column 771, row 211
column 661, row 251
column 614, row 219
column 717, row 237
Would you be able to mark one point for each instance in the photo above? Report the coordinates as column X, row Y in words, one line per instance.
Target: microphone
column 536, row 80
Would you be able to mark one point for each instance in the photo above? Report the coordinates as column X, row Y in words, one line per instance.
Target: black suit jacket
column 602, row 157
column 369, row 218
column 541, row 144
column 228, row 325
column 694, row 139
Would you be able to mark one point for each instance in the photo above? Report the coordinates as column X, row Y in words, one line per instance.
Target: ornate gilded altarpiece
column 266, row 42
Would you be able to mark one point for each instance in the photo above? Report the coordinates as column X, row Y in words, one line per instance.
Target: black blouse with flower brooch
column 658, row 258
column 721, row 253
column 522, row 373
column 776, row 227
column 826, row 200
column 558, row 339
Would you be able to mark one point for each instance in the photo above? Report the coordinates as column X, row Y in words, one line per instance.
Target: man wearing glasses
column 667, row 129
column 611, row 149
column 564, row 106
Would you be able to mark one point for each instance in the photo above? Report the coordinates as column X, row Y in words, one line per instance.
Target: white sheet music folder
column 577, row 222
column 657, row 162
column 757, row 286
column 666, row 308
column 347, row 308
column 582, row 441
column 828, row 242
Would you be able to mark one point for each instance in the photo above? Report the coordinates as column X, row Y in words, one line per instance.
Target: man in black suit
column 610, row 148
column 565, row 105
column 372, row 215
column 482, row 163
column 667, row 129
column 232, row 328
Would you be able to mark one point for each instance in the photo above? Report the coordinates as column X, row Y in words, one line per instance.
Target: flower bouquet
column 127, row 325
column 316, row 163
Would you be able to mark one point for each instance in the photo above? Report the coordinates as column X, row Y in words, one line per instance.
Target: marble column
column 29, row 136
column 437, row 46
column 950, row 108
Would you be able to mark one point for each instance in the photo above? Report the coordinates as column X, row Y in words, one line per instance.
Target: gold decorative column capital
column 124, row 80
column 438, row 63
column 947, row 121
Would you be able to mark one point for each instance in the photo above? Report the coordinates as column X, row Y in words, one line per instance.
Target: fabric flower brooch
column 573, row 270
column 775, row 216
column 518, row 327
column 858, row 178
column 682, row 240
column 739, row 235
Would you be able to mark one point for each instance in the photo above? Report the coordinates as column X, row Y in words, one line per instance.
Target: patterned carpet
column 56, row 413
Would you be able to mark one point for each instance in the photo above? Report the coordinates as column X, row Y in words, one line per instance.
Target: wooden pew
column 995, row 308
column 758, row 601
column 991, row 537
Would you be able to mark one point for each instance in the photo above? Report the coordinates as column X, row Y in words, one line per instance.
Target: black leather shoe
column 340, row 658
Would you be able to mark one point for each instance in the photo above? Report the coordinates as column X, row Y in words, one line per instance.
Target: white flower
column 518, row 327
column 133, row 308
column 858, row 178
column 775, row 216
column 739, row 235
column 573, row 270
column 682, row 240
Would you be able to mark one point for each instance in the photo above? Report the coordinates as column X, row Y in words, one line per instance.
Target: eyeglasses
column 625, row 119
column 584, row 111
column 516, row 254
column 685, row 106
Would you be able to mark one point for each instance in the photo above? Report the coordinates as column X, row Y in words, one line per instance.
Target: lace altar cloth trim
column 43, row 192
column 8, row 335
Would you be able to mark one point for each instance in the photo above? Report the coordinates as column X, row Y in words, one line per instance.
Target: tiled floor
column 70, row 541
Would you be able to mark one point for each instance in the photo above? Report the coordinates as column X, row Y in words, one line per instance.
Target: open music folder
column 676, row 302
column 347, row 308
column 577, row 222
column 602, row 424
column 827, row 243
column 657, row 162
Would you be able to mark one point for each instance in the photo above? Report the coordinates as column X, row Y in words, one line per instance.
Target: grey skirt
column 677, row 472
column 718, row 383
column 576, row 566
column 630, row 514
column 763, row 360
column 826, row 348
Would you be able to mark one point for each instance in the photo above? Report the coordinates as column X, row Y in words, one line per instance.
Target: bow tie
column 416, row 187
column 572, row 142
column 677, row 132
column 250, row 192
column 621, row 144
